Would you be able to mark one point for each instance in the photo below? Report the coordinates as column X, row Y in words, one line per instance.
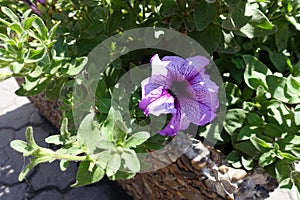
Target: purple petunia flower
column 180, row 87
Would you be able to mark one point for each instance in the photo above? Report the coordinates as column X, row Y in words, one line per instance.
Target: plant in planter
column 254, row 45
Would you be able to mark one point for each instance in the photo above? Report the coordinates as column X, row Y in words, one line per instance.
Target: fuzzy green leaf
column 86, row 177
column 131, row 160
column 113, row 164
column 136, row 139
column 88, row 134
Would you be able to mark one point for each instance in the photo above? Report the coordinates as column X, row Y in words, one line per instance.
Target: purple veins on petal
column 180, row 87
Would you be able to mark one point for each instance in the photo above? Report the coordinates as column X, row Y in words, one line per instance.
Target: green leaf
column 113, row 164
column 266, row 159
column 30, row 138
column 288, row 156
column 103, row 104
column 36, row 72
column 33, row 162
column 286, row 184
column 188, row 23
column 108, row 126
column 33, row 87
column 293, row 21
column 131, row 160
column 76, row 66
column 210, row 38
column 279, row 60
column 16, row 28
column 233, row 93
column 5, row 75
column 105, row 144
column 228, row 44
column 239, row 15
column 55, row 139
column 28, row 22
column 297, row 115
column 88, row 134
column 41, row 28
column 254, row 119
column 3, row 37
column 260, row 144
column 296, row 151
column 17, row 67
column 272, row 130
column 8, row 12
column 282, row 35
column 21, row 146
column 176, row 22
column 259, row 25
column 246, row 132
column 86, row 177
column 233, row 157
column 204, row 14
column 169, row 8
column 234, row 119
column 102, row 158
column 119, row 131
column 292, row 139
column 293, row 89
column 64, row 132
column 247, row 163
column 136, row 139
column 54, row 89
column 296, row 179
column 63, row 165
column 35, row 55
column 282, row 170
column 122, row 175
column 248, row 148
column 53, row 30
column 284, row 89
column 255, row 72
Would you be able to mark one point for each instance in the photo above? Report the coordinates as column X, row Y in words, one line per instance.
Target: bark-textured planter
column 200, row 173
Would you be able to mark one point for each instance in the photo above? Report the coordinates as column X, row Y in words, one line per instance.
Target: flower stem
column 69, row 157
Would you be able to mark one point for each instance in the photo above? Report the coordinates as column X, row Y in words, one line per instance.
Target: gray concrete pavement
column 47, row 182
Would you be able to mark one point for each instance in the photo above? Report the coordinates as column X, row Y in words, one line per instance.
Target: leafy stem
column 58, row 156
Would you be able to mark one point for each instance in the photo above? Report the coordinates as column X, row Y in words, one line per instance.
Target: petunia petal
column 180, row 69
column 158, row 66
column 198, row 61
column 173, row 126
column 195, row 111
column 157, row 101
column 205, row 91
